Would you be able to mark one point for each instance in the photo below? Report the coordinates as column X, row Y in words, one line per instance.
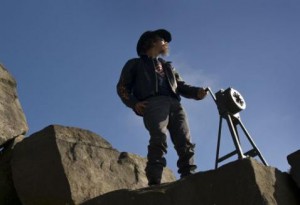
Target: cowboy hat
column 164, row 34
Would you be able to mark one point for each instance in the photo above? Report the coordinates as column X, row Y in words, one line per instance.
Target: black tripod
column 230, row 103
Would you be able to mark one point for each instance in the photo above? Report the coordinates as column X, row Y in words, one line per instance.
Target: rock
column 245, row 182
column 12, row 122
column 65, row 165
column 294, row 161
column 8, row 194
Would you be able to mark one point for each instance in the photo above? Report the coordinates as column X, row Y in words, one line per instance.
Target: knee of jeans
column 157, row 144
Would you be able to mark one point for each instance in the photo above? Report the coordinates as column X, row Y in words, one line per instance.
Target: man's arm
column 188, row 91
column 125, row 84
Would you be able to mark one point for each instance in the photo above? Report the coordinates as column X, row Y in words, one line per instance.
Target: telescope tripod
column 230, row 103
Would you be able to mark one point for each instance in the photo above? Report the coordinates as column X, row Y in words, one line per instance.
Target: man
column 152, row 88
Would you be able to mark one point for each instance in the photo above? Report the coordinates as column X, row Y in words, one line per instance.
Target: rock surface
column 8, row 194
column 294, row 161
column 243, row 182
column 12, row 122
column 65, row 165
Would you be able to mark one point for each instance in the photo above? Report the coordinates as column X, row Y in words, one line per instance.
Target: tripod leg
column 237, row 133
column 218, row 144
column 234, row 137
column 252, row 143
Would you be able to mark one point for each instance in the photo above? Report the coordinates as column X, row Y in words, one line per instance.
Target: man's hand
column 202, row 92
column 140, row 107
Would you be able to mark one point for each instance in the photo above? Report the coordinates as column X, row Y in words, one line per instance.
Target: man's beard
column 164, row 51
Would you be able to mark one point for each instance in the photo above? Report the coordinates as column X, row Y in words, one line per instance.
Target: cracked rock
column 67, row 165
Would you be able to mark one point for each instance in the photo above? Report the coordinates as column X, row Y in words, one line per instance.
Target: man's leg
column 180, row 135
column 156, row 121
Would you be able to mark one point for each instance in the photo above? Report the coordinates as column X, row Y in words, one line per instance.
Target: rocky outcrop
column 12, row 122
column 243, row 182
column 65, row 165
column 294, row 161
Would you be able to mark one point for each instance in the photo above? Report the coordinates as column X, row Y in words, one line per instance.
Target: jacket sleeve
column 126, row 83
column 184, row 89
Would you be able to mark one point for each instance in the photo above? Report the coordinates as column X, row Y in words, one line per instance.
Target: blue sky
column 67, row 55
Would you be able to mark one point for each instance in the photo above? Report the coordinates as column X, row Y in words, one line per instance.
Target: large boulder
column 243, row 182
column 65, row 165
column 294, row 161
column 12, row 122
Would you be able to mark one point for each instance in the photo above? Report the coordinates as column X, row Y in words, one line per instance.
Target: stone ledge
column 243, row 182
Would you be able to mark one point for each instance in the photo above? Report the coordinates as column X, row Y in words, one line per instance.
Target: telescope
column 230, row 103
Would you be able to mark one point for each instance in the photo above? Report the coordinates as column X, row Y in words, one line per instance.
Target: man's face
column 161, row 46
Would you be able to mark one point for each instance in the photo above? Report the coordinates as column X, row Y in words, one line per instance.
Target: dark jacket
column 138, row 81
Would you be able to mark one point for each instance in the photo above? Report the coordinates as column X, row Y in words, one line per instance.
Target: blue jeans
column 164, row 114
